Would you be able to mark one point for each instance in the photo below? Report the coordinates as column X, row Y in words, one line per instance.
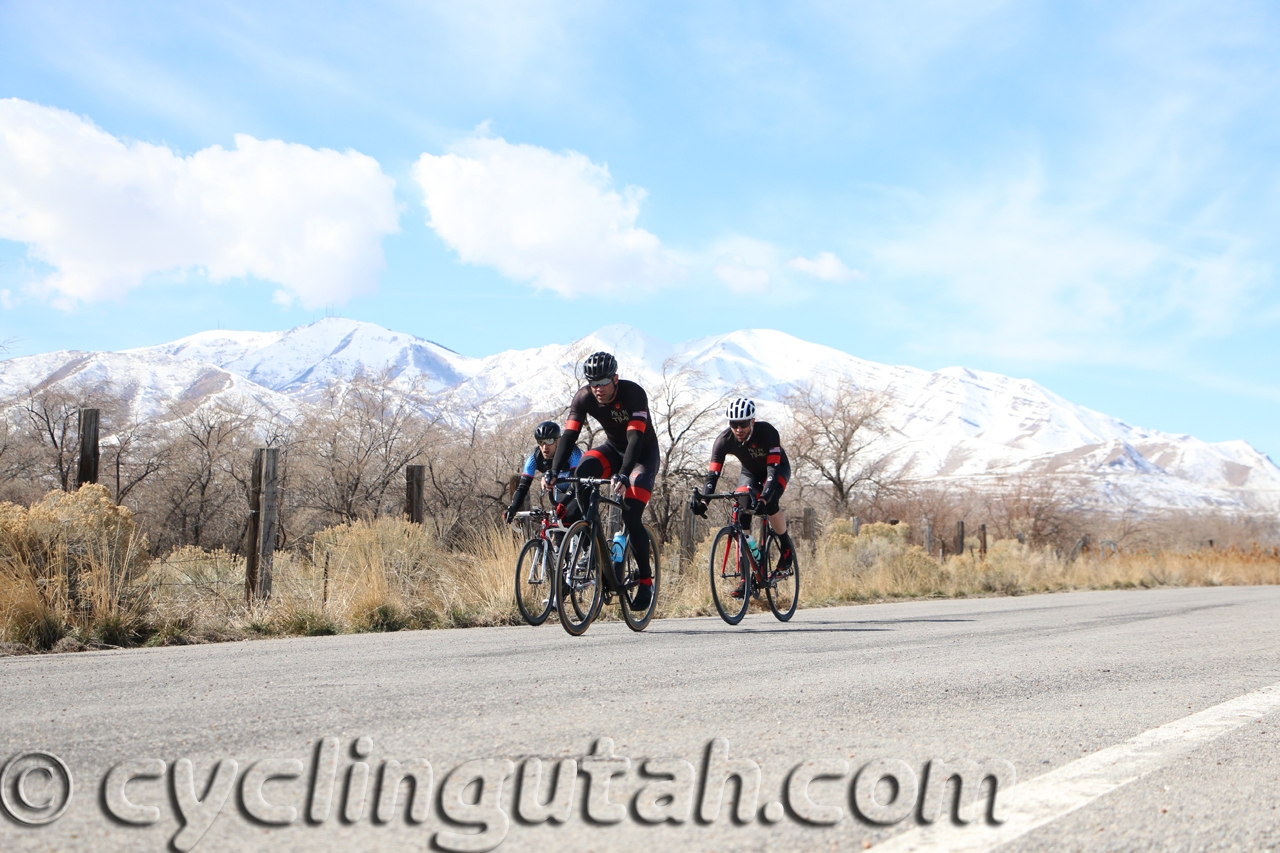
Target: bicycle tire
column 578, row 573
column 533, row 582
column 727, row 572
column 782, row 587
column 638, row 620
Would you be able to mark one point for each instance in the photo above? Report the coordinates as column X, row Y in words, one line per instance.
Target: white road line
column 1046, row 798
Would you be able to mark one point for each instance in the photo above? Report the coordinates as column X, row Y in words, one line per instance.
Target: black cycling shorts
column 748, row 482
column 643, row 474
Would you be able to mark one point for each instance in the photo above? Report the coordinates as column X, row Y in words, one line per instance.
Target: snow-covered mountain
column 953, row 425
column 149, row 385
column 303, row 360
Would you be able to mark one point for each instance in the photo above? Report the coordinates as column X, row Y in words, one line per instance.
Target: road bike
column 535, row 594
column 589, row 576
column 739, row 572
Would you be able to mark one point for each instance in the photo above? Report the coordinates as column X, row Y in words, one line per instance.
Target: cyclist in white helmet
column 765, row 470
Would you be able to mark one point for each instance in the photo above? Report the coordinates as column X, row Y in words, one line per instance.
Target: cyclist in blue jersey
column 547, row 435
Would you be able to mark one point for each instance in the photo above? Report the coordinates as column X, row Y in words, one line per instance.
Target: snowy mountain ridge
column 951, row 425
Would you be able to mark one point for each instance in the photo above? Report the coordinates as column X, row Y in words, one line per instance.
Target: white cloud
column 106, row 214
column 1028, row 277
column 743, row 279
column 538, row 216
column 746, row 265
column 825, row 266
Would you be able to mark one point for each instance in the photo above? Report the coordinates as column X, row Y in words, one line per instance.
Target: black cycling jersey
column 761, row 455
column 622, row 418
column 630, row 447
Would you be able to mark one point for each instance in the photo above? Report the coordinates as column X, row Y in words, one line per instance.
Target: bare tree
column 16, row 461
column 132, row 455
column 833, row 437
column 1039, row 509
column 200, row 501
column 52, row 415
column 357, row 441
column 685, row 411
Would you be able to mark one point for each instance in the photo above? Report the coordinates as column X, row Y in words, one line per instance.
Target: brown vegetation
column 155, row 553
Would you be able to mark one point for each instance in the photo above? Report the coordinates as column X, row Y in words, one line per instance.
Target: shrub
column 71, row 562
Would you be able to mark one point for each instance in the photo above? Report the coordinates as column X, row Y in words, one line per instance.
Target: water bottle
column 755, row 549
column 619, row 547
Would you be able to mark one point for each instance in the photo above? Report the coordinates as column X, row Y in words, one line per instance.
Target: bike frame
column 741, row 533
column 546, row 526
column 591, row 515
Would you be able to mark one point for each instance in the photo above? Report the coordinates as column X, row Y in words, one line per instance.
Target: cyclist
column 629, row 453
column 547, row 436
column 765, row 470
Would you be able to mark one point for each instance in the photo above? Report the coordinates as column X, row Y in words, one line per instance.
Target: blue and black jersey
column 535, row 465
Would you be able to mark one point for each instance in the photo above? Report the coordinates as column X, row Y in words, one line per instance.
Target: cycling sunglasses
column 599, row 383
column 739, row 424
column 547, row 442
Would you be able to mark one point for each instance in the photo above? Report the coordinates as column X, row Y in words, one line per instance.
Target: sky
column 1085, row 194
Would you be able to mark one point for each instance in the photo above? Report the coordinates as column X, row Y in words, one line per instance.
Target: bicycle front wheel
column 729, row 575
column 578, row 573
column 637, row 618
column 534, row 570
column 782, row 586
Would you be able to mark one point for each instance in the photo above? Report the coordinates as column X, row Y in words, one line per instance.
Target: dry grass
column 69, row 570
column 380, row 575
column 73, row 575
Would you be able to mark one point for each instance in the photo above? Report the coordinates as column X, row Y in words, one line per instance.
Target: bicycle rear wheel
column 730, row 573
column 578, row 572
column 782, row 586
column 534, row 570
column 638, row 620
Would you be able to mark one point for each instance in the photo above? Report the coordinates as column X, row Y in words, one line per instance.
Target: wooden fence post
column 251, row 553
column 808, row 524
column 688, row 530
column 263, row 503
column 982, row 540
column 415, row 486
column 88, row 470
column 857, row 525
column 928, row 538
column 959, row 540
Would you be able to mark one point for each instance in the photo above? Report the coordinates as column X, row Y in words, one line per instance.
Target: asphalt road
column 1038, row 681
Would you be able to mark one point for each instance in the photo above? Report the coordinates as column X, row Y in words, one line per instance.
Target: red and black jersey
column 628, row 410
column 760, row 454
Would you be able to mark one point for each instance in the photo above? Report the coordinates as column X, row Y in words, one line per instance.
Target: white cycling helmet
column 741, row 409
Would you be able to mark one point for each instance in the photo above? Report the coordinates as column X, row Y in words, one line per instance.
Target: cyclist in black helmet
column 765, row 469
column 629, row 453
column 547, row 435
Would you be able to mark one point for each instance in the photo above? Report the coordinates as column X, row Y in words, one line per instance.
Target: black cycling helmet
column 599, row 365
column 546, row 431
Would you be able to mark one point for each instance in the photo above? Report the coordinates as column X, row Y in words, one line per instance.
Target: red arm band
column 636, row 425
column 572, row 424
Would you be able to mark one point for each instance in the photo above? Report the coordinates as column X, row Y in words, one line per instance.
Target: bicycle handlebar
column 587, row 481
column 750, row 499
